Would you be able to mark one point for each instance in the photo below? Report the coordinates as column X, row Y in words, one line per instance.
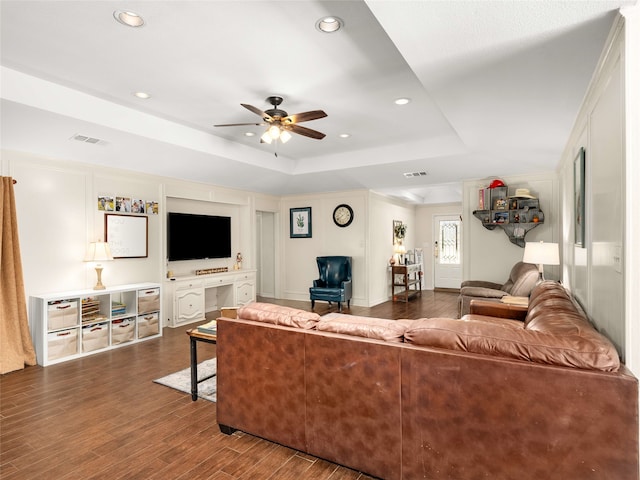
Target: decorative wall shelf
column 515, row 215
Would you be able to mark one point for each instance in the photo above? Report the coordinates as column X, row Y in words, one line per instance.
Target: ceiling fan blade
column 304, row 116
column 307, row 132
column 238, row 124
column 257, row 111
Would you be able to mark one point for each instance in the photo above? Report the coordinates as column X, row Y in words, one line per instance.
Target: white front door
column 447, row 251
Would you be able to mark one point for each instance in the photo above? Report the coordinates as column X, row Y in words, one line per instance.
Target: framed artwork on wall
column 578, row 193
column 300, row 222
column 127, row 235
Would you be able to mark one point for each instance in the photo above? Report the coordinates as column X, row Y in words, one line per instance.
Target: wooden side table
column 194, row 337
column 408, row 278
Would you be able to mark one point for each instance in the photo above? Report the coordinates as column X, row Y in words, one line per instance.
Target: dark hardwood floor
column 102, row 417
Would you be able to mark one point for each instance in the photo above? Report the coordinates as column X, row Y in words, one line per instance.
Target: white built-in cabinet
column 194, row 296
column 69, row 325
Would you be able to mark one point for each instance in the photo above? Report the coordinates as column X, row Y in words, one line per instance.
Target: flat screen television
column 195, row 237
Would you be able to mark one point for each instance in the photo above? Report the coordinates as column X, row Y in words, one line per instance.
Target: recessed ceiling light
column 249, row 134
column 143, row 95
column 345, row 135
column 402, row 101
column 130, row 19
column 329, row 24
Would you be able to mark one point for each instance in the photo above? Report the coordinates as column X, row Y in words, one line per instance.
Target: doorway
column 447, row 251
column 266, row 254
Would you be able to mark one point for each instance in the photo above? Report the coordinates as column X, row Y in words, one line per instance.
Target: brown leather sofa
column 542, row 396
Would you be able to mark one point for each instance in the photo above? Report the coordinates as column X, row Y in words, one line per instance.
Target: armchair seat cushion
column 322, row 293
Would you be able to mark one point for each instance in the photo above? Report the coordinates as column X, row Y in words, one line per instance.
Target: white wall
column 299, row 254
column 58, row 215
column 596, row 273
column 382, row 212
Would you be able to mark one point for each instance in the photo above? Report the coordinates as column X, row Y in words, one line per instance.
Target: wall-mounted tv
column 195, row 237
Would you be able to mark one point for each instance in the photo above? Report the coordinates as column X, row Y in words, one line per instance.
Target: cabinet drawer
column 148, row 325
column 122, row 330
column 62, row 344
column 62, row 314
column 188, row 285
column 95, row 337
column 149, row 300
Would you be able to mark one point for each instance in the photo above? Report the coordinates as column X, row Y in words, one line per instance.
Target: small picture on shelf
column 500, row 204
column 501, row 217
column 513, row 205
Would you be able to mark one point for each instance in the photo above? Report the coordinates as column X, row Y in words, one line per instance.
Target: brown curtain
column 16, row 348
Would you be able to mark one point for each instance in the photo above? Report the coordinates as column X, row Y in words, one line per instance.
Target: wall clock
column 343, row 215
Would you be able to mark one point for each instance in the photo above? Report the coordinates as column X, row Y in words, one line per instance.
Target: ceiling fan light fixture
column 130, row 19
column 329, row 24
column 274, row 131
column 285, row 136
column 266, row 138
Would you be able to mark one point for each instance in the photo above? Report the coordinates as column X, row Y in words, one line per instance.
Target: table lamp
column 540, row 253
column 98, row 252
column 400, row 250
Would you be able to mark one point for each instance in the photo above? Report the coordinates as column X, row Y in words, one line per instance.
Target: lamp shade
column 540, row 253
column 98, row 252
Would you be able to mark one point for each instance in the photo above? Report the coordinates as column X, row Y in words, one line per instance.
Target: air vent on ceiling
column 85, row 139
column 415, row 174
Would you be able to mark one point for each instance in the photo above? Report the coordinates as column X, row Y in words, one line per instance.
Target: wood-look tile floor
column 102, row 417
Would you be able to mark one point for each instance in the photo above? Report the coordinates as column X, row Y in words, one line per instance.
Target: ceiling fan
column 280, row 123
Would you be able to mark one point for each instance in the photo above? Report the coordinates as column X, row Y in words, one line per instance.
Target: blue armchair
column 334, row 284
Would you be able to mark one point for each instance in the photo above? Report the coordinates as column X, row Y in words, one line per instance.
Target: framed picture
column 127, row 235
column 398, row 232
column 300, row 222
column 418, row 255
column 578, row 193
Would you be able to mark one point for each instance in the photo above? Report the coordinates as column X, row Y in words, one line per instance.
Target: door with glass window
column 447, row 251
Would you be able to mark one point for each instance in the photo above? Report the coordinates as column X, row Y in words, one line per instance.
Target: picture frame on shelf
column 300, row 222
column 578, row 195
column 418, row 255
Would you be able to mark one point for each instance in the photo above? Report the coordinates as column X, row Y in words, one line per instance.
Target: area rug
column 182, row 380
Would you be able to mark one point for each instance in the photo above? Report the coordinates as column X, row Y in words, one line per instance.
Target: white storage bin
column 122, row 330
column 148, row 325
column 62, row 314
column 62, row 344
column 95, row 337
column 148, row 300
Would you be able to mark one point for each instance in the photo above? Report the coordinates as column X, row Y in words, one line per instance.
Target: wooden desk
column 408, row 279
column 194, row 337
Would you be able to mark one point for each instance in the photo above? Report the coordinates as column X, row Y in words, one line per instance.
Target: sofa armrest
column 500, row 310
column 347, row 289
column 482, row 292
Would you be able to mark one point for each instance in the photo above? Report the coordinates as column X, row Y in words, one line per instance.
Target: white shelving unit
column 69, row 325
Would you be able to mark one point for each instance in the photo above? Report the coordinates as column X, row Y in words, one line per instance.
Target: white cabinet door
column 245, row 293
column 189, row 306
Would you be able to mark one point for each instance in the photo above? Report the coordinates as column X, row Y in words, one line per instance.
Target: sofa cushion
column 377, row 328
column 278, row 315
column 588, row 350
